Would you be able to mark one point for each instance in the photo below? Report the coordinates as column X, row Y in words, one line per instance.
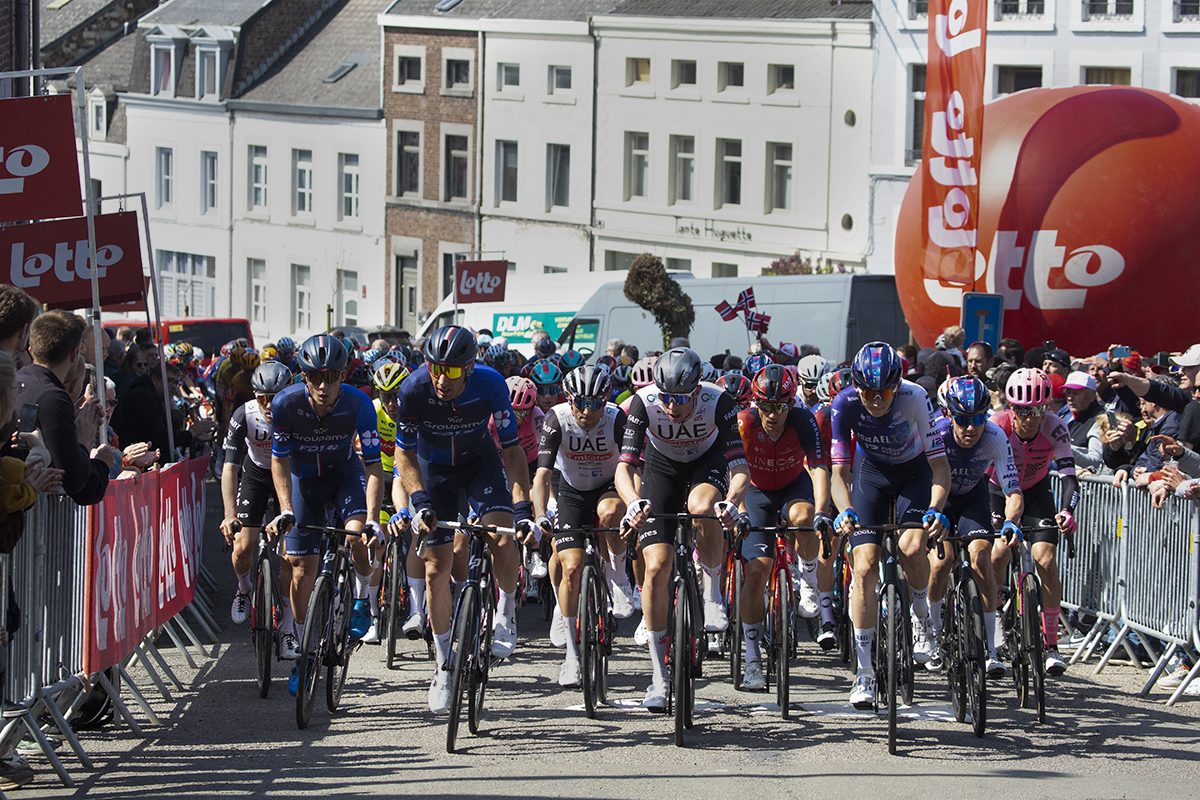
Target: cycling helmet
column 677, row 371
column 500, row 340
column 242, row 342
column 811, row 368
column 169, row 352
column 773, row 384
column 388, row 375
column 708, row 373
column 185, row 352
column 622, row 375
column 227, row 348
column 271, row 377
column 571, row 359
column 197, row 354
column 495, row 356
column 606, row 361
column 269, row 353
column 1028, row 386
column 587, row 382
column 626, row 360
column 285, row 345
column 371, row 356
column 966, row 394
column 546, row 347
column 483, row 340
column 736, row 386
column 544, row 373
column 246, row 358
column 877, row 366
column 643, row 372
column 322, row 352
column 361, row 377
column 823, row 394
column 521, row 392
column 756, row 362
column 451, row 346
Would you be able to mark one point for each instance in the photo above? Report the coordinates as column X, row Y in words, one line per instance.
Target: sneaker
column 439, row 691
column 1193, row 688
column 935, row 662
column 504, row 637
column 656, row 699
column 1175, row 678
column 372, row 634
column 807, row 601
column 637, row 598
column 537, row 567
column 239, row 612
column 641, row 637
column 862, row 696
column 827, row 638
column 30, row 747
column 753, row 679
column 289, row 648
column 568, row 673
column 1055, row 666
column 414, row 627
column 294, row 681
column 14, row 772
column 621, row 604
column 558, row 628
column 360, row 618
column 996, row 668
column 715, row 618
column 923, row 644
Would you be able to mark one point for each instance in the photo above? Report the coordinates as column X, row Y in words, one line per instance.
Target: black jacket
column 84, row 479
column 140, row 417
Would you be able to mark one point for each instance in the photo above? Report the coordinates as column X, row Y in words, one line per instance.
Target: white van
column 837, row 313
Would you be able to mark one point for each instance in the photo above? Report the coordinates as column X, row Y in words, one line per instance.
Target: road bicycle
column 894, row 671
column 597, row 625
column 265, row 608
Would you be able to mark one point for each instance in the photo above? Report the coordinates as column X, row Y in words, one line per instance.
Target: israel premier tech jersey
column 317, row 446
column 452, row 432
column 903, row 433
column 970, row 466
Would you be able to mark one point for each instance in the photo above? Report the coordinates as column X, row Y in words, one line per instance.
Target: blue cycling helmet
column 877, row 366
column 546, row 347
column 570, row 360
column 546, row 373
column 966, row 395
column 371, row 356
column 755, row 363
column 285, row 345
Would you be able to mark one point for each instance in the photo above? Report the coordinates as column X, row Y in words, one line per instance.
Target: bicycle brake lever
column 941, row 548
column 421, row 542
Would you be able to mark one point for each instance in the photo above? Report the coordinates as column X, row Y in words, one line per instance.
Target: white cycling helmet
column 811, row 368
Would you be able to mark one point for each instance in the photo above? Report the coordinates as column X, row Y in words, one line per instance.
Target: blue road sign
column 983, row 317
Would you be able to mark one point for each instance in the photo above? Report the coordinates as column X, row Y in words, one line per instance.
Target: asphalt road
column 219, row 739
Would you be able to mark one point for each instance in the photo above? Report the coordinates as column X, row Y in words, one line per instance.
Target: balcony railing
column 1107, row 10
column 1021, row 9
column 1187, row 10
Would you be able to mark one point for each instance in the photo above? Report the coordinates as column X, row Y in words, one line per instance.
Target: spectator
column 125, row 334
column 979, row 360
column 116, row 355
column 141, row 415
column 1085, row 432
column 133, row 367
column 731, row 362
column 1058, row 398
column 614, row 347
column 380, row 344
column 1180, row 399
column 909, row 353
column 630, row 351
column 142, row 337
column 1056, row 362
column 54, row 340
column 951, row 341
column 923, row 357
column 941, row 366
column 1011, row 351
column 88, row 350
column 1124, row 441
column 809, row 350
column 999, row 375
column 1036, row 357
column 17, row 310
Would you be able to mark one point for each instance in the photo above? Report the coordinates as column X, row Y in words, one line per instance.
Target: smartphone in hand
column 27, row 419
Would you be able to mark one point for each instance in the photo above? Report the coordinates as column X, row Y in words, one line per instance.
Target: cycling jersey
column 776, row 464
column 387, row 437
column 968, row 466
column 713, row 422
column 528, row 433
column 317, row 446
column 1033, row 459
column 903, row 433
column 249, row 430
column 454, row 431
column 586, row 459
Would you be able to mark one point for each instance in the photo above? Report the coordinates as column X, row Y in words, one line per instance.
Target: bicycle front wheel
column 338, row 650
column 955, row 635
column 975, row 658
column 314, row 643
column 590, row 646
column 462, row 654
column 892, row 624
column 1031, row 605
column 395, row 604
column 262, row 625
column 781, row 639
column 477, row 678
column 682, row 649
column 735, row 621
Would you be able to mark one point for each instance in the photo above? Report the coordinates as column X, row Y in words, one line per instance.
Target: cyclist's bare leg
column 710, row 542
column 863, row 611
column 656, row 587
column 439, row 562
column 1044, row 553
column 506, row 560
column 981, row 560
column 1001, row 553
column 807, row 543
column 243, row 550
column 939, row 573
column 753, row 601
column 568, row 587
column 914, row 558
column 304, row 574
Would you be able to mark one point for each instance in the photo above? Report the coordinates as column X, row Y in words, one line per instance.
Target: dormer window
column 206, row 74
column 164, row 71
column 167, row 43
column 97, row 115
column 212, row 53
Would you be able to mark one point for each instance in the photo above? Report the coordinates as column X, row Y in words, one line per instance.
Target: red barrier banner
column 480, row 281
column 50, row 260
column 952, row 142
column 39, row 170
column 181, row 521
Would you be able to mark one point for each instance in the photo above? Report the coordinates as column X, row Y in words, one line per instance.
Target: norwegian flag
column 757, row 322
column 745, row 300
column 726, row 311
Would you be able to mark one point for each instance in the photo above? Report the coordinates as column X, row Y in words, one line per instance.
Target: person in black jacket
column 54, row 341
column 1172, row 398
column 141, row 416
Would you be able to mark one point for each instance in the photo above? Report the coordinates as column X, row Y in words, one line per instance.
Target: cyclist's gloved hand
column 1066, row 522
column 544, row 526
column 1010, row 531
column 846, row 521
column 552, row 510
column 372, row 531
column 282, row 524
column 742, row 521
column 525, row 530
column 936, row 522
column 635, row 515
column 426, row 520
column 725, row 513
column 400, row 520
column 822, row 522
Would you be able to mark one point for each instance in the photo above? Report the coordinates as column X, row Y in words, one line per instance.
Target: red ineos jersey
column 776, row 464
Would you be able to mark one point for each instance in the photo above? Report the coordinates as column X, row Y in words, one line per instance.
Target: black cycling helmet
column 271, row 377
column 677, row 371
column 451, row 346
column 322, row 352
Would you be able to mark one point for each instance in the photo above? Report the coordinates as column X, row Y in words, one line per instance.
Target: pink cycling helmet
column 643, row 372
column 1028, row 387
column 522, row 392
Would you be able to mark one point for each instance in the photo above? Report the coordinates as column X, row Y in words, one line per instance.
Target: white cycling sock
column 752, row 635
column 658, row 656
column 616, row 571
column 826, row 599
column 286, row 620
column 935, row 615
column 920, row 602
column 362, row 585
column 441, row 648
column 572, row 642
column 374, row 598
column 989, row 625
column 507, row 607
column 416, row 589
column 862, row 645
column 712, row 583
column 244, row 585
column 808, row 572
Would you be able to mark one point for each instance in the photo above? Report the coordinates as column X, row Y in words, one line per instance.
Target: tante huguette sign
column 480, row 281
column 39, row 170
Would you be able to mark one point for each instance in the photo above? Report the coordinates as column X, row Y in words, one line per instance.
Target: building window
column 1105, row 10
column 916, row 115
column 1107, row 76
column 302, row 181
column 206, row 74
column 165, row 169
column 637, row 71
column 782, row 78
column 408, row 70
column 683, row 73
column 1187, row 82
column 506, row 172
column 349, row 297
column 187, row 283
column 349, row 182
column 257, row 268
column 1022, row 9
column 408, row 163
column 458, row 73
column 1017, row 79
column 1187, row 11
column 510, row 76
column 558, row 175
column 208, row 182
column 560, row 79
column 679, row 264
column 918, row 9
column 683, row 168
column 164, row 71
column 729, row 158
column 730, row 75
column 720, row 270
column 637, row 164
column 616, row 261
column 780, row 178
column 97, row 118
column 447, row 274
column 302, row 298
column 547, row 270
column 456, row 168
column 258, row 177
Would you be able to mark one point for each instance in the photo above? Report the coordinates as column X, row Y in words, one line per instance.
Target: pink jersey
column 1051, row 445
column 529, row 433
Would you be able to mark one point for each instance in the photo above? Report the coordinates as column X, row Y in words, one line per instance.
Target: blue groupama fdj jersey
column 452, row 432
column 317, row 446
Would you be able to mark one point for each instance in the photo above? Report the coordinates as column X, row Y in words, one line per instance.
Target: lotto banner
column 39, row 170
column 143, row 557
column 952, row 143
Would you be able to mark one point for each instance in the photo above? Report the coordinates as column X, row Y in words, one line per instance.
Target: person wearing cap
column 1058, row 398
column 1056, row 361
column 1181, row 399
column 1085, row 410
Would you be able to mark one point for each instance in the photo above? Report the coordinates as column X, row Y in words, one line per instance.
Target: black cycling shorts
column 666, row 484
column 764, row 508
column 483, row 481
column 255, row 490
column 876, row 485
column 1039, row 505
column 970, row 513
column 576, row 509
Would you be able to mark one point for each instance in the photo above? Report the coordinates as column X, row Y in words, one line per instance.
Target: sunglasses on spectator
column 676, row 399
column 876, row 394
column 588, row 403
column 319, row 376
column 389, row 397
column 453, row 373
column 545, row 390
column 967, row 420
column 773, row 408
column 1029, row 411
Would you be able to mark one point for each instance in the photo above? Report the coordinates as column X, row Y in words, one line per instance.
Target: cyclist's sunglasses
column 264, row 400
column 967, row 420
column 545, row 390
column 389, row 397
column 773, row 408
column 453, row 373
column 588, row 403
column 676, row 399
column 326, row 376
column 1029, row 411
column 876, row 394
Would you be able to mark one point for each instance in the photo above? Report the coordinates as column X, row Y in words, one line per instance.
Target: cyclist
column 313, row 464
column 285, row 351
column 522, row 393
column 248, row 444
column 1039, row 441
column 778, row 438
column 836, row 381
column 694, row 462
column 582, row 439
column 444, row 447
column 547, row 377
column 973, row 447
column 902, row 459
column 737, row 386
column 809, row 372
